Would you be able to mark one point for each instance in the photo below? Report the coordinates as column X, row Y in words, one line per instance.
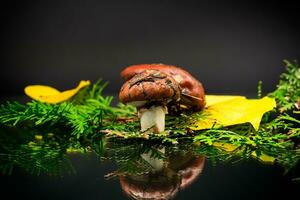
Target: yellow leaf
column 51, row 95
column 214, row 99
column 232, row 110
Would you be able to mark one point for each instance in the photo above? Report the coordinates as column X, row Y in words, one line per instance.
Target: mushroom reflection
column 163, row 182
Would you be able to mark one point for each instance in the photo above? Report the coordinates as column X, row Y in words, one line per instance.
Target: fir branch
column 85, row 115
column 287, row 94
column 36, row 112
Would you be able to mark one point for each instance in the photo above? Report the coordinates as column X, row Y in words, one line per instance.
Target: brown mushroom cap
column 192, row 91
column 150, row 85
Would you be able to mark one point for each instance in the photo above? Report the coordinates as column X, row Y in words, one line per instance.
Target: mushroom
column 181, row 172
column 150, row 91
column 192, row 95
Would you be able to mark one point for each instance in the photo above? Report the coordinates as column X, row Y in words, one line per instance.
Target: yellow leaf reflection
column 225, row 146
column 263, row 157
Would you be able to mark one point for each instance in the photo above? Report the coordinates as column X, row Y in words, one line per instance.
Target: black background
column 228, row 45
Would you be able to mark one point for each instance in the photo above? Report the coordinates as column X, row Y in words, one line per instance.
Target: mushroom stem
column 156, row 163
column 153, row 118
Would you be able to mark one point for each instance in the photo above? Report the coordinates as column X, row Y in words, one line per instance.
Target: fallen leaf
column 214, row 99
column 51, row 95
column 231, row 110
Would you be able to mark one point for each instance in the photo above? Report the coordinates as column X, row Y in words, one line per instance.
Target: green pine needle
column 287, row 93
column 86, row 114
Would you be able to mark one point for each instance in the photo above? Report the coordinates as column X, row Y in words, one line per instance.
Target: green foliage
column 89, row 116
column 279, row 132
column 85, row 115
column 259, row 89
column 287, row 93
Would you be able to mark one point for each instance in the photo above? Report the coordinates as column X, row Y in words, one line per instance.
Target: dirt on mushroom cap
column 150, row 85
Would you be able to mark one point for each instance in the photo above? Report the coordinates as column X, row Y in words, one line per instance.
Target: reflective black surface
column 54, row 166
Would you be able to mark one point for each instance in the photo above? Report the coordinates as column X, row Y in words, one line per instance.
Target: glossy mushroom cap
column 191, row 173
column 150, row 188
column 192, row 91
column 150, row 86
column 166, row 185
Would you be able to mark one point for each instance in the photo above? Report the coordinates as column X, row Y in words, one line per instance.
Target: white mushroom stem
column 156, row 163
column 153, row 118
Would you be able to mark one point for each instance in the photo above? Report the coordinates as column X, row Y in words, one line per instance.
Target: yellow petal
column 48, row 94
column 231, row 111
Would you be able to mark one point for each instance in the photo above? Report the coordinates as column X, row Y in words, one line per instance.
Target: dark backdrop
column 229, row 46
